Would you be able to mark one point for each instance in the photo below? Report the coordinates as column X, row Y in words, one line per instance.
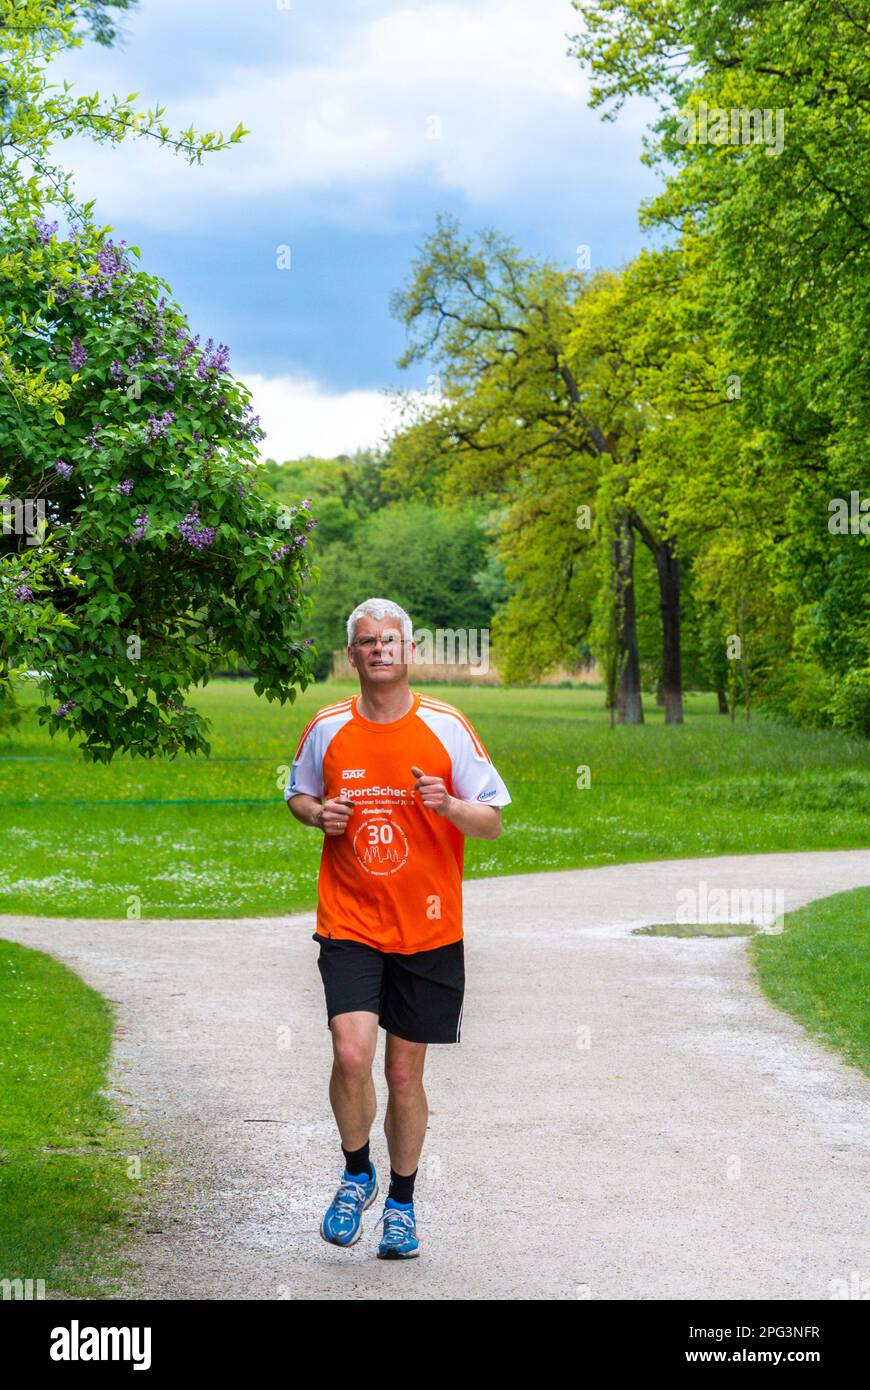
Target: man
column 395, row 781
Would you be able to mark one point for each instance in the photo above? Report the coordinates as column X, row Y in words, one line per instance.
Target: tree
column 126, row 442
column 512, row 403
column 763, row 139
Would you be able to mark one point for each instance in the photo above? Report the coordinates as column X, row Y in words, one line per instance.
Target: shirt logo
column 354, row 772
column 381, row 846
column 484, row 796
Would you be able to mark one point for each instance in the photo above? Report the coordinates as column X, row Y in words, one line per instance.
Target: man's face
column 378, row 652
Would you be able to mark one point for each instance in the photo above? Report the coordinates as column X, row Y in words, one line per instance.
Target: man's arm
column 329, row 816
column 473, row 818
column 307, row 809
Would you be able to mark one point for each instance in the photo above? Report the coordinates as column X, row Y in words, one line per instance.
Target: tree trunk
column 723, row 699
column 629, row 703
column 668, row 567
column 668, row 570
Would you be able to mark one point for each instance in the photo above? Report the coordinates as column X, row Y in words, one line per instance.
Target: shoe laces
column 397, row 1225
column 349, row 1196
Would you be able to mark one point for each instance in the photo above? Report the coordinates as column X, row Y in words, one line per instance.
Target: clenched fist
column 334, row 815
column 432, row 791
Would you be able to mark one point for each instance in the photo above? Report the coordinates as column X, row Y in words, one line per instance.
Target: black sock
column 401, row 1187
column 357, row 1160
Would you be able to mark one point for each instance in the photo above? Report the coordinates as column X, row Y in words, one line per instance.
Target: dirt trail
column 626, row 1117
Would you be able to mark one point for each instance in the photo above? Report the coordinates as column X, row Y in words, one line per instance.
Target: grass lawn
column 65, row 1195
column 818, row 970
column 213, row 838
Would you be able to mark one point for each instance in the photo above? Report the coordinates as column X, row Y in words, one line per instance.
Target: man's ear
column 350, row 657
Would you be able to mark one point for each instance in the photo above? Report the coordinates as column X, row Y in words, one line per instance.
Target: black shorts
column 418, row 997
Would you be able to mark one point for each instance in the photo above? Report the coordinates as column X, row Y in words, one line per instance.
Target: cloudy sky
column 367, row 118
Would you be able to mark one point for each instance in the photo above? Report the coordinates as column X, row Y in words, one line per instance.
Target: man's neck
column 383, row 705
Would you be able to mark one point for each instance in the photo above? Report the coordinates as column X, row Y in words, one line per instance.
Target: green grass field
column 68, row 1189
column 212, row 837
column 818, row 970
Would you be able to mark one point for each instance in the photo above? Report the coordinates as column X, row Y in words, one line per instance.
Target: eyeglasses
column 368, row 643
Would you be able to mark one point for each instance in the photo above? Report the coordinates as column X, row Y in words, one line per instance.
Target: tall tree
column 496, row 326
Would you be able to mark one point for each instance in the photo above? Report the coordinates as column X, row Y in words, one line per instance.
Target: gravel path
column 626, row 1117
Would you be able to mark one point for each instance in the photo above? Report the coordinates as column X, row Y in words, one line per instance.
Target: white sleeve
column 306, row 774
column 474, row 776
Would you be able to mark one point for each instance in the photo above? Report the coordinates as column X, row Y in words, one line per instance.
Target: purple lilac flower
column 196, row 535
column 280, row 552
column 64, row 469
column 92, row 437
column 44, row 230
column 140, row 526
column 23, row 593
column 213, row 359
column 65, row 708
column 111, row 260
column 250, row 423
column 188, row 345
column 116, row 370
column 126, row 487
column 111, row 263
column 77, row 357
column 301, row 541
column 158, row 426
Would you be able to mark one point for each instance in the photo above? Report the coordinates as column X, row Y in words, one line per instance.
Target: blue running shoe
column 342, row 1222
column 399, row 1240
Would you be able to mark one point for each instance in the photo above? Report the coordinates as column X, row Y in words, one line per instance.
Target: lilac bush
column 157, row 525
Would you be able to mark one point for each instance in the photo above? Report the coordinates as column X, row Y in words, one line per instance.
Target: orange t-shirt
column 394, row 878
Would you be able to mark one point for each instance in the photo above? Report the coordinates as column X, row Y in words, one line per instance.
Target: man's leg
column 352, row 1093
column 407, row 1107
column 351, row 1088
column 405, row 1128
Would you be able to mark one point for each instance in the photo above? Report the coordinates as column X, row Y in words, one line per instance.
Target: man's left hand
column 432, row 792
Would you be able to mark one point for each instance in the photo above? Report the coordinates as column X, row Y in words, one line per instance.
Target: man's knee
column 352, row 1051
column 404, row 1075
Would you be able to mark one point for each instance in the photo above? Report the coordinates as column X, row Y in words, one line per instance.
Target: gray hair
column 379, row 608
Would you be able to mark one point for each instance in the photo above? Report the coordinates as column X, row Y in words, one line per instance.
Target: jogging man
column 395, row 780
